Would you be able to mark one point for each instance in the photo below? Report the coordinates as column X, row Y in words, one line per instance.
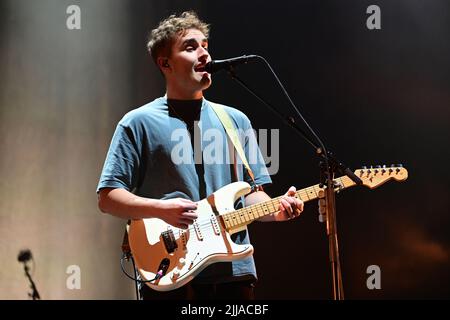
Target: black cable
column 135, row 283
column 158, row 275
column 322, row 152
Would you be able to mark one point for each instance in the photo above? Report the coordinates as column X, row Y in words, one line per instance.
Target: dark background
column 373, row 96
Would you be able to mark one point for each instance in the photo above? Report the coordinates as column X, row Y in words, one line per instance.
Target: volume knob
column 175, row 274
column 182, row 261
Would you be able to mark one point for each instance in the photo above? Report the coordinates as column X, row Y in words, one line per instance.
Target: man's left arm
column 289, row 208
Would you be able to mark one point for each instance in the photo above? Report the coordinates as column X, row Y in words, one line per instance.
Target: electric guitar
column 168, row 257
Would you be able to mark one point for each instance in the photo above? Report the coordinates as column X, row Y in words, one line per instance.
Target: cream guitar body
column 187, row 252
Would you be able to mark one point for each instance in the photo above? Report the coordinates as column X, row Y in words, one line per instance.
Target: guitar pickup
column 169, row 241
column 215, row 225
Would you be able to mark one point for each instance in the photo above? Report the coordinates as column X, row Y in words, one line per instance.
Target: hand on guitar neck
column 290, row 206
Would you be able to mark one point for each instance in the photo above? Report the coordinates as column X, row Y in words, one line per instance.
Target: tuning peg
column 400, row 165
column 384, row 168
column 364, row 167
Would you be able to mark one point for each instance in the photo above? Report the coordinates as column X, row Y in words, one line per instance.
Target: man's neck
column 177, row 95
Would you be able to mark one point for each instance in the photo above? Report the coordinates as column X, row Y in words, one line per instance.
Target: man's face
column 187, row 61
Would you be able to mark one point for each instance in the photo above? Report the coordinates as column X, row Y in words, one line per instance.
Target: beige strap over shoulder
column 227, row 123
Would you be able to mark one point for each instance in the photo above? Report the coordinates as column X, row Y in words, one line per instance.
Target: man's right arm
column 124, row 204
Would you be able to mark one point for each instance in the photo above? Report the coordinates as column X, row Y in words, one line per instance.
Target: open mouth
column 200, row 68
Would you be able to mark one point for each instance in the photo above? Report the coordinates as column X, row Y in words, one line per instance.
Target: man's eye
column 190, row 48
column 206, row 48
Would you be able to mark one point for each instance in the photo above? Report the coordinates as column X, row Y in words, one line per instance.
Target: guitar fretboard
column 251, row 213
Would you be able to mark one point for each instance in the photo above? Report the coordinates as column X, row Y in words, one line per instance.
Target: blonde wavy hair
column 161, row 38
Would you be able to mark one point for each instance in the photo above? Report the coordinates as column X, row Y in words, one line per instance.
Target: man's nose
column 203, row 54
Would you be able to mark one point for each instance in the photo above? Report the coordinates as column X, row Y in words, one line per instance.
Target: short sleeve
column 121, row 166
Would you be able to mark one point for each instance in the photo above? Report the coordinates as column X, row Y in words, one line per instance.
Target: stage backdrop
column 373, row 82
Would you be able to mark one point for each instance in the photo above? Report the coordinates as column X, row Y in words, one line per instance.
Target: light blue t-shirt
column 151, row 155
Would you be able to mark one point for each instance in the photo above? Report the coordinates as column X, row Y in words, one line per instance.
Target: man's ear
column 163, row 62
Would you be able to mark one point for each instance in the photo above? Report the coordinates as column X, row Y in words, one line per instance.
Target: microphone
column 217, row 65
column 24, row 255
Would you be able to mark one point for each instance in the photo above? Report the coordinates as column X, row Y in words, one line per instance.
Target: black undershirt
column 189, row 111
column 186, row 110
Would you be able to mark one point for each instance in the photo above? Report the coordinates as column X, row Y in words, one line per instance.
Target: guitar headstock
column 375, row 176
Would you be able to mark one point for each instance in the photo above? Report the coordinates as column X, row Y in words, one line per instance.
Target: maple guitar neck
column 251, row 213
column 371, row 178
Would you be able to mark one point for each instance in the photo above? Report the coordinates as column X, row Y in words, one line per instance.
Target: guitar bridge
column 169, row 241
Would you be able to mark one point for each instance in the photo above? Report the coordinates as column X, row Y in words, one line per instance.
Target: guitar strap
column 227, row 123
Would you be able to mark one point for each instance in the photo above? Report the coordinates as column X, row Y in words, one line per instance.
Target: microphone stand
column 35, row 294
column 329, row 165
column 24, row 257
